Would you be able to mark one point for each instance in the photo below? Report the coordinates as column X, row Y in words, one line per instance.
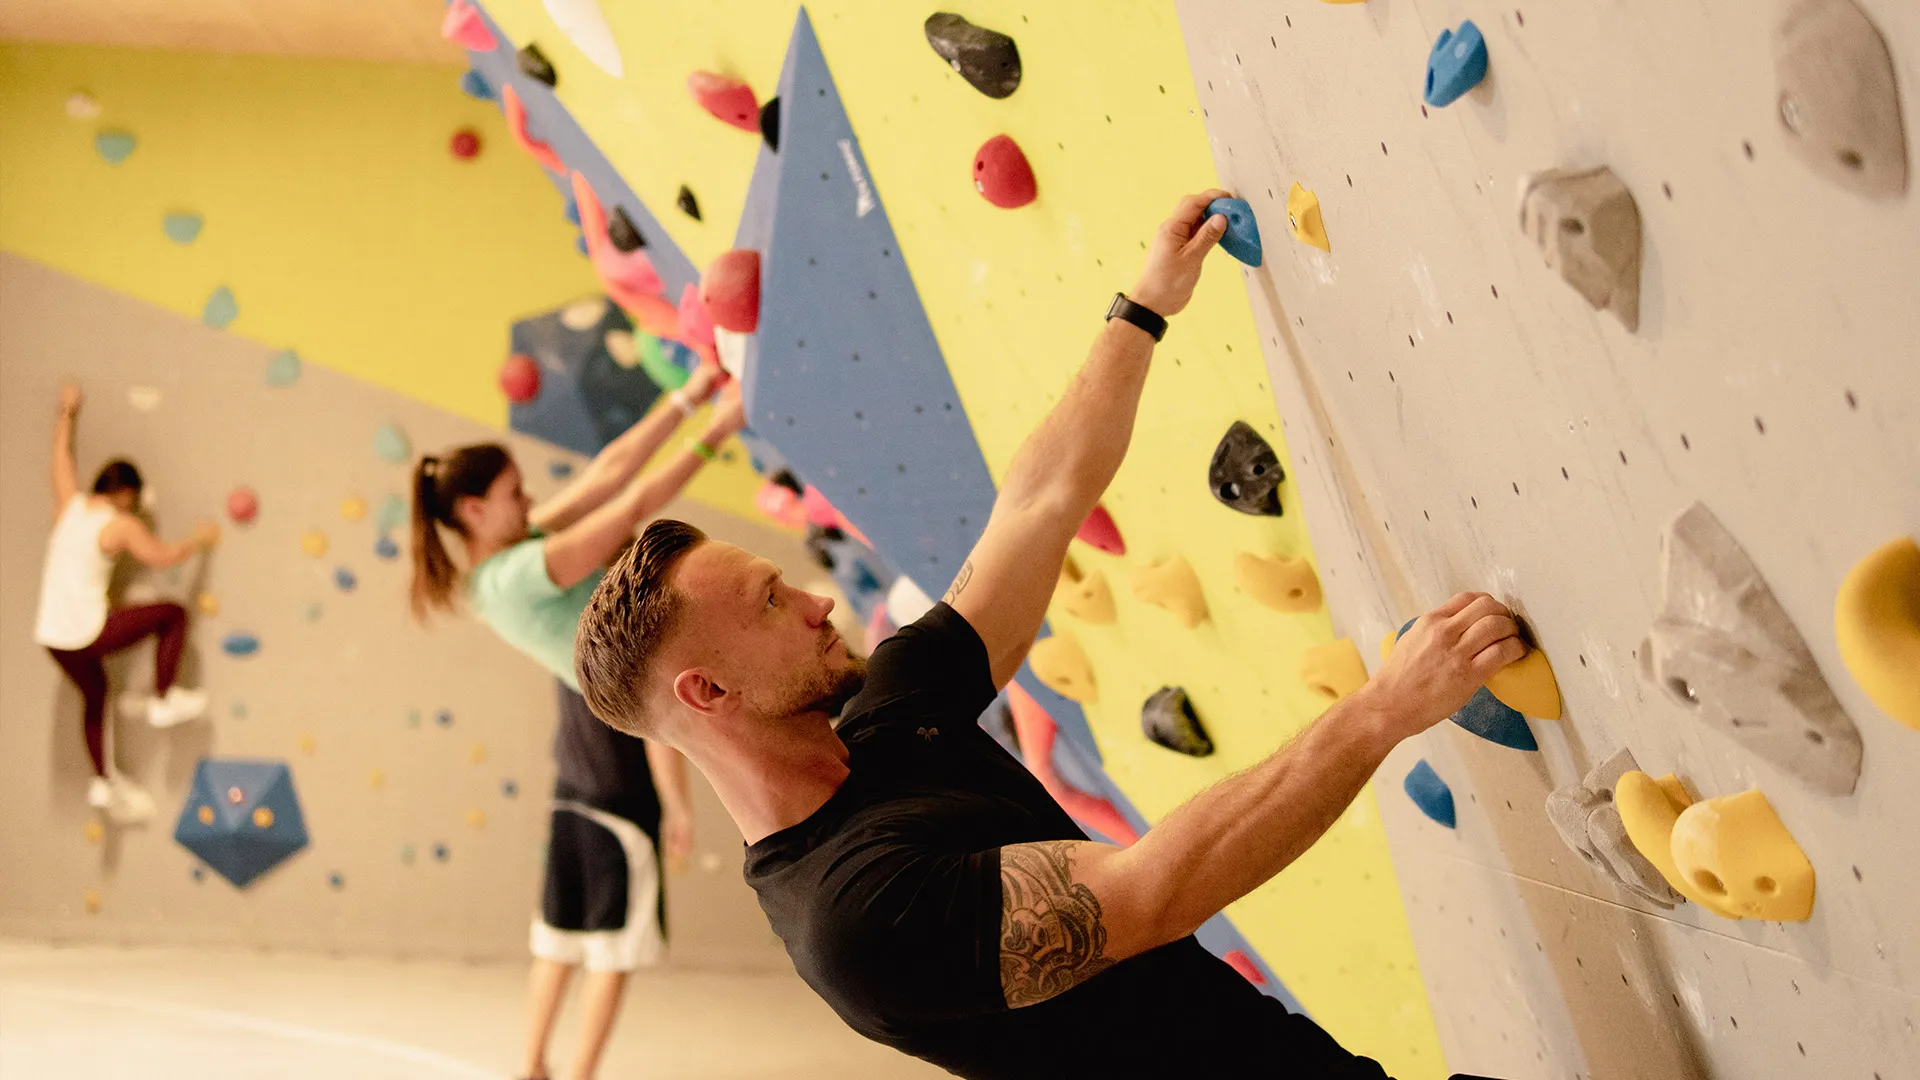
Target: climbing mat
column 1467, row 416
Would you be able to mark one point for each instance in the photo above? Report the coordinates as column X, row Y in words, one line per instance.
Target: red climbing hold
column 517, row 124
column 727, row 98
column 731, row 290
column 628, row 276
column 696, row 326
column 466, row 144
column 1244, row 964
column 464, row 27
column 1100, row 531
column 1001, row 173
column 242, row 505
column 1034, row 730
column 520, row 378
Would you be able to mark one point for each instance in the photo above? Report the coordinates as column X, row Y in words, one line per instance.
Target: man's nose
column 822, row 606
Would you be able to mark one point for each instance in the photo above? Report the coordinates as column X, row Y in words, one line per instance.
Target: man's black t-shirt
column 888, row 900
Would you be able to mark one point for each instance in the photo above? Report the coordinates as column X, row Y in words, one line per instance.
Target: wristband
column 1139, row 315
column 680, row 402
column 702, row 450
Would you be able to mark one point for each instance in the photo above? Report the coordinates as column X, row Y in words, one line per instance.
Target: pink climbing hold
column 727, row 98
column 464, row 27
column 824, row 514
column 731, row 290
column 520, row 378
column 1242, row 963
column 778, row 501
column 242, row 505
column 517, row 125
column 879, row 628
column 696, row 326
column 1001, row 173
column 1100, row 531
column 465, row 144
column 1034, row 730
column 628, row 276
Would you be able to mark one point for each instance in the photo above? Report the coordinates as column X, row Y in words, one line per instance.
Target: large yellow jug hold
column 1527, row 686
column 1333, row 670
column 1061, row 664
column 1736, row 851
column 1303, row 214
column 1648, row 808
column 1876, row 618
column 1171, row 585
column 1084, row 595
column 1281, row 582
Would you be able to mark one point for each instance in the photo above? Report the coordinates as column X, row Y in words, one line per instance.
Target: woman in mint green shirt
column 531, row 570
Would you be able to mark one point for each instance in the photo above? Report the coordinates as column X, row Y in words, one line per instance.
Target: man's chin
column 846, row 684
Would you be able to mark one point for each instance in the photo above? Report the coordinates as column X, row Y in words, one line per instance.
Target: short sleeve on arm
column 515, row 579
column 940, row 654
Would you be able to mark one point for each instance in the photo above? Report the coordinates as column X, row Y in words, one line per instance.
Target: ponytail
column 438, row 486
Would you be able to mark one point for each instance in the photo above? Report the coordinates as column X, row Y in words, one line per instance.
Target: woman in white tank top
column 79, row 627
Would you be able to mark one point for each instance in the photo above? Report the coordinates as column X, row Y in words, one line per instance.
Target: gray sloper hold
column 1168, row 720
column 987, row 59
column 1587, row 821
column 1839, row 99
column 1725, row 650
column 1587, row 227
column 1246, row 473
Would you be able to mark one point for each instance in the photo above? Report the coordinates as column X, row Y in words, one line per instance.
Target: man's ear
column 696, row 691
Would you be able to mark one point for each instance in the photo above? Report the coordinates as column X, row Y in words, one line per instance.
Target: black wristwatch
column 1144, row 318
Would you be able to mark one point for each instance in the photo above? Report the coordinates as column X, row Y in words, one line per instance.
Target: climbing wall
column 1460, row 418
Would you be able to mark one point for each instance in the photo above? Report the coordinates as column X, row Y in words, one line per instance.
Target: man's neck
column 772, row 784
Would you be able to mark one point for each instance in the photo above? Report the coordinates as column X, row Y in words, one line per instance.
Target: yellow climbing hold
column 1333, row 670
column 1876, row 618
column 205, row 815
column 353, row 508
column 1527, row 686
column 1061, row 664
column 1303, row 214
column 1649, row 808
column 477, row 818
column 477, row 753
column 94, row 832
column 1171, row 584
column 91, row 898
column 1281, row 582
column 376, row 779
column 208, row 603
column 262, row 818
column 314, row 543
column 1735, row 850
column 1084, row 596
column 307, row 743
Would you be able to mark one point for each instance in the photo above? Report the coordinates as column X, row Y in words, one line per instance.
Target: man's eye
column 770, row 599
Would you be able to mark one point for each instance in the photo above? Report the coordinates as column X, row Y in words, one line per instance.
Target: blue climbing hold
column 385, row 548
column 114, row 146
column 444, row 718
column 283, row 368
column 1430, row 793
column 181, row 227
column 1456, row 65
column 580, row 244
column 475, row 85
column 1242, row 239
column 1487, row 717
column 573, row 212
column 391, row 445
column 560, row 470
column 242, row 818
column 199, row 873
column 509, row 789
column 343, row 579
column 336, row 880
column 240, row 643
column 440, row 852
column 221, row 309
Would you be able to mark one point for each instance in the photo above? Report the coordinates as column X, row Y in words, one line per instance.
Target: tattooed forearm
column 1051, row 936
column 959, row 582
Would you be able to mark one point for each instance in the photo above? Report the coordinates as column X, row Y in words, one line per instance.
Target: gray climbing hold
column 1246, row 473
column 1587, row 227
column 344, row 579
column 114, row 146
column 283, row 368
column 688, row 205
column 390, row 444
column 770, row 123
column 987, row 59
column 220, row 309
column 181, row 227
column 1168, row 720
column 1839, row 100
column 1430, row 793
column 623, row 232
column 534, row 65
column 1724, row 650
column 1587, row 821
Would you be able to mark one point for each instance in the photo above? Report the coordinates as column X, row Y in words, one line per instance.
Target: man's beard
column 842, row 687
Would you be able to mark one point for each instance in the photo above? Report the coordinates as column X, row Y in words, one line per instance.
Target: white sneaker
column 131, row 805
column 99, row 793
column 177, row 706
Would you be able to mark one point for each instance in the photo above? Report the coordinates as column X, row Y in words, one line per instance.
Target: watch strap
column 1139, row 315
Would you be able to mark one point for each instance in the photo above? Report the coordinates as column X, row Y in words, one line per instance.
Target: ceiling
column 357, row 29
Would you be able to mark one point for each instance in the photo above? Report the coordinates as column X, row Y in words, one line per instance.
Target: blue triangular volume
column 222, row 820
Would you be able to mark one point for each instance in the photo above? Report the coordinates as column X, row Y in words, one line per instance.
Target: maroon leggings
column 124, row 627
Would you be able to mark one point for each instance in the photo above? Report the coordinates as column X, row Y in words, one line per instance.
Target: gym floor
column 161, row 1013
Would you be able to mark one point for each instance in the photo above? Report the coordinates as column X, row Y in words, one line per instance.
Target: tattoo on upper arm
column 1051, row 935
column 959, row 582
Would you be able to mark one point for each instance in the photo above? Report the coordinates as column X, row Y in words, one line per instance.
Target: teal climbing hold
column 391, row 515
column 406, row 854
column 1456, row 65
column 239, row 643
column 114, row 146
column 1430, row 793
column 283, row 368
column 181, row 227
column 221, row 309
column 475, row 85
column 337, row 880
column 1242, row 239
column 390, row 445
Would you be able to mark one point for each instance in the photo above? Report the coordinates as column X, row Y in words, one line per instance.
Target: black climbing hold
column 623, row 232
column 986, row 58
column 1168, row 720
column 786, row 479
column 770, row 123
column 534, row 65
column 818, row 545
column 688, row 205
column 1246, row 473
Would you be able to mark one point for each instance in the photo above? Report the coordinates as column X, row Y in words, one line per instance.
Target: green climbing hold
column 114, row 146
column 221, row 309
column 390, row 445
column 391, row 515
column 283, row 368
column 665, row 374
column 181, row 227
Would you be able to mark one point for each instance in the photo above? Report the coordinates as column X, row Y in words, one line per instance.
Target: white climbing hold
column 144, row 398
column 82, row 105
column 583, row 314
column 586, row 26
column 732, row 348
column 906, row 602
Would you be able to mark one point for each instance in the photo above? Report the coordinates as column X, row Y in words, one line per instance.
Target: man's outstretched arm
column 1061, row 470
column 1071, row 909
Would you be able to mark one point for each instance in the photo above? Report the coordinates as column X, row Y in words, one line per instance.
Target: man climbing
column 923, row 881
